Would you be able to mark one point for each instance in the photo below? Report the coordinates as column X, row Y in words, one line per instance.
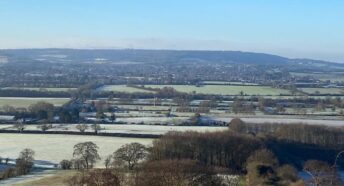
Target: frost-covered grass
column 225, row 89
column 158, row 129
column 54, row 148
column 131, row 129
column 207, row 89
column 283, row 120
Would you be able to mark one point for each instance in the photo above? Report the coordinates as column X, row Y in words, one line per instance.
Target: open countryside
column 206, row 89
column 171, row 93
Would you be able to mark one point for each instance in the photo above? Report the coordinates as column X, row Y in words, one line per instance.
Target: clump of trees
column 224, row 149
column 42, row 110
column 263, row 169
column 307, row 134
column 322, row 173
column 24, row 162
column 23, row 165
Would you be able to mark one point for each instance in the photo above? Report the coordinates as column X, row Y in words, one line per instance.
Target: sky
column 292, row 28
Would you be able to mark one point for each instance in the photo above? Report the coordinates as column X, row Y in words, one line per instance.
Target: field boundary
column 126, row 135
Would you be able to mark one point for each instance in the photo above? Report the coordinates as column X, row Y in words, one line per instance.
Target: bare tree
column 322, row 174
column 108, row 161
column 45, row 127
column 24, row 163
column 130, row 154
column 19, row 126
column 88, row 152
column 96, row 127
column 82, row 127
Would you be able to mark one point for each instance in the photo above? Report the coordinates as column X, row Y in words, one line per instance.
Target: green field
column 41, row 89
column 26, row 102
column 207, row 89
column 322, row 90
column 228, row 83
column 333, row 77
column 226, row 90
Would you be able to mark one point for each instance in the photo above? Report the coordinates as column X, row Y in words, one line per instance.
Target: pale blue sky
column 292, row 28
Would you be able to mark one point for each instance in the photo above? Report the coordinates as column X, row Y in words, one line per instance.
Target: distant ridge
column 157, row 56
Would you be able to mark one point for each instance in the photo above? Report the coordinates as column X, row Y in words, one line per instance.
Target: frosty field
column 207, row 89
column 54, row 148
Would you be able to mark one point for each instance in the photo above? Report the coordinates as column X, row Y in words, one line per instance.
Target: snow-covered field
column 333, row 123
column 157, row 129
column 131, row 129
column 54, row 148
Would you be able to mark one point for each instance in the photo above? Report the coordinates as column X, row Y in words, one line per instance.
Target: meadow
column 41, row 89
column 207, row 89
column 322, row 90
column 229, row 83
column 24, row 102
column 226, row 90
column 333, row 77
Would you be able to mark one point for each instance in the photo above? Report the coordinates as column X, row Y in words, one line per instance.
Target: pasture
column 207, row 89
column 229, row 83
column 226, row 90
column 333, row 77
column 322, row 90
column 24, row 102
column 41, row 89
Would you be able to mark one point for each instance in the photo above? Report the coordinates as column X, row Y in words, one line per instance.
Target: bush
column 176, row 172
column 95, row 178
column 8, row 173
column 66, row 164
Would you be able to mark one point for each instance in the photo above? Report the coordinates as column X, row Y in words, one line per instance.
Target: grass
column 333, row 77
column 23, row 102
column 41, row 89
column 228, row 83
column 322, row 90
column 207, row 89
column 226, row 90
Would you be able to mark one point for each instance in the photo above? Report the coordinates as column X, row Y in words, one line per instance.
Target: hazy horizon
column 294, row 29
